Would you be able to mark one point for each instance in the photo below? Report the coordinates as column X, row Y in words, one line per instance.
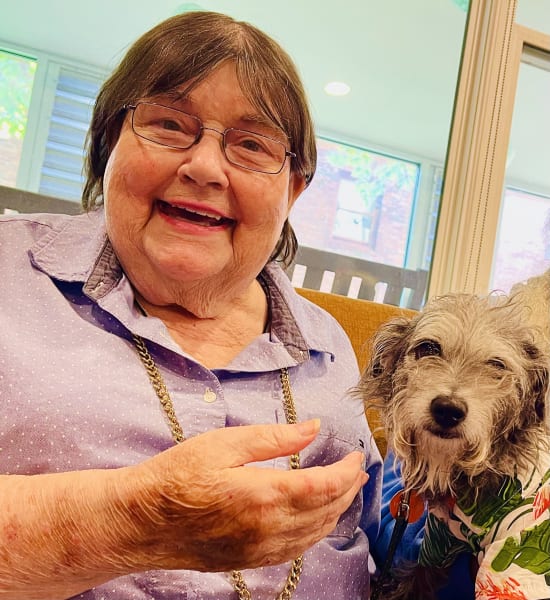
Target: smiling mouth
column 203, row 218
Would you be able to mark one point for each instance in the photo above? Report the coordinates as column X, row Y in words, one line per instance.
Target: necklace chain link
column 161, row 390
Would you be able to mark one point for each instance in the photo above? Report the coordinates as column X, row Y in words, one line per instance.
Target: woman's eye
column 171, row 125
column 253, row 145
column 427, row 348
column 497, row 363
column 247, row 143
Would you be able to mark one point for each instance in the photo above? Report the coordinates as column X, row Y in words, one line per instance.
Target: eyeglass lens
column 171, row 127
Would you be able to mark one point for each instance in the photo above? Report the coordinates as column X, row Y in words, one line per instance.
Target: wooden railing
column 13, row 199
column 348, row 276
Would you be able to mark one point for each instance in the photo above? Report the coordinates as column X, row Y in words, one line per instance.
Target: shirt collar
column 297, row 322
column 77, row 249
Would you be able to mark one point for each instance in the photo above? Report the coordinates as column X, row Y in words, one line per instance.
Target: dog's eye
column 427, row 348
column 497, row 363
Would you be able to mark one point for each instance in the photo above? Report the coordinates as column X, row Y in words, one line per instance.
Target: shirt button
column 209, row 395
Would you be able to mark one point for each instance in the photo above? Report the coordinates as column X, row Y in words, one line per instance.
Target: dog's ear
column 538, row 379
column 388, row 346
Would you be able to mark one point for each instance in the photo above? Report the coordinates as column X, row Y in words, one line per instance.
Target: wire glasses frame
column 174, row 128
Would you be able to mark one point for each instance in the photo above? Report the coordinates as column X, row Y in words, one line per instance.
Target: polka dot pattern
column 74, row 394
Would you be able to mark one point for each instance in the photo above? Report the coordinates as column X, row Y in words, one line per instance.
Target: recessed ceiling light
column 337, row 88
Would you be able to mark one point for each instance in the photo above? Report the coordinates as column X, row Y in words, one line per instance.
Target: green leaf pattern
column 514, row 520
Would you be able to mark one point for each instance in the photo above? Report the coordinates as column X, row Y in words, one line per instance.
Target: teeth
column 199, row 212
column 206, row 214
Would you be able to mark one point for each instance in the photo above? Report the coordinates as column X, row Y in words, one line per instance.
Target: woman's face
column 189, row 219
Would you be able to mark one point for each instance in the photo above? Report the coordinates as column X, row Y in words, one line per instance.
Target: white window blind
column 61, row 172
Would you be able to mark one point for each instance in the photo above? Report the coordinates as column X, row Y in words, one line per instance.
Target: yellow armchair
column 360, row 319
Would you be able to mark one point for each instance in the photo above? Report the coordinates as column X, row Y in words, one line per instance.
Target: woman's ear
column 296, row 186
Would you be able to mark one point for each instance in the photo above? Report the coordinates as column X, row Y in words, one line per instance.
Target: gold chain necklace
column 161, row 390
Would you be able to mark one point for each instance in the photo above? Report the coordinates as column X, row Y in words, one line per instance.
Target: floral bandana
column 508, row 532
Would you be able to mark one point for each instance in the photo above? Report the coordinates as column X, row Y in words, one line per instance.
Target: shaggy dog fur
column 534, row 296
column 461, row 388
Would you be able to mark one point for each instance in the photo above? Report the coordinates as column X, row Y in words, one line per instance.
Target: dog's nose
column 448, row 413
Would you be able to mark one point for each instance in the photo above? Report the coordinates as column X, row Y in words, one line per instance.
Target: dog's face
column 462, row 389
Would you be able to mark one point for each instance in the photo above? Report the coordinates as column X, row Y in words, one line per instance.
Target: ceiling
column 401, row 59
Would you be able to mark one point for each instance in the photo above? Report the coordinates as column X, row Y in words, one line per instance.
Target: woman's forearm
column 194, row 506
column 63, row 533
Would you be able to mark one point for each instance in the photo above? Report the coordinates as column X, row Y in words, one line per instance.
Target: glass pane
column 375, row 197
column 534, row 14
column 523, row 240
column 16, row 81
column 363, row 204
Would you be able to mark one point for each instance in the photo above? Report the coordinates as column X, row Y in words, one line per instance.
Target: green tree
column 16, row 81
column 375, row 174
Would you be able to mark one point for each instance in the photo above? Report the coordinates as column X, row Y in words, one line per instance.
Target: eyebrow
column 175, row 96
column 262, row 121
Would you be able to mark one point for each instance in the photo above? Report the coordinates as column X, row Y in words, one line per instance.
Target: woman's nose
column 205, row 162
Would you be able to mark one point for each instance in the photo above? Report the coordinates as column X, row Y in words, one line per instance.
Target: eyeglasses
column 173, row 128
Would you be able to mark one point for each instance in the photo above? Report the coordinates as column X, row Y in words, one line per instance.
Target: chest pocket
column 335, row 441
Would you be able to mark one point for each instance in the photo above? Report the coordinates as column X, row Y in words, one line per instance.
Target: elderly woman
column 137, row 336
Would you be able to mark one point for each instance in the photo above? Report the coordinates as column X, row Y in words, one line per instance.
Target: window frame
column 476, row 157
column 41, row 106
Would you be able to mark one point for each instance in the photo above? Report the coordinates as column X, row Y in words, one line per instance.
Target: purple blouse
column 74, row 394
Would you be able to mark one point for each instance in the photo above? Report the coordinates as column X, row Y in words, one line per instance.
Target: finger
column 303, row 506
column 319, row 513
column 311, row 488
column 238, row 446
column 319, row 486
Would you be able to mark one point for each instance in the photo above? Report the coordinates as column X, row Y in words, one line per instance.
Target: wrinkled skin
column 194, row 506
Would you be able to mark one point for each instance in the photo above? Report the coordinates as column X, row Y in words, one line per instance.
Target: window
column 522, row 249
column 361, row 203
column 498, row 154
column 45, row 110
column 61, row 172
column 16, row 84
column 366, row 225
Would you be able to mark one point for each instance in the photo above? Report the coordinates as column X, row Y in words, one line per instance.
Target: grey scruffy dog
column 462, row 389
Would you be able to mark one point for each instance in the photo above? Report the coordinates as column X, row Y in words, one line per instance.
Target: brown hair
column 187, row 48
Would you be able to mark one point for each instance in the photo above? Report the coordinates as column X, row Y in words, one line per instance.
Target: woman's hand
column 194, row 506
column 205, row 510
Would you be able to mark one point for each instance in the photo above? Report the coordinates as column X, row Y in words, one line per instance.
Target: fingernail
column 309, row 427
